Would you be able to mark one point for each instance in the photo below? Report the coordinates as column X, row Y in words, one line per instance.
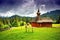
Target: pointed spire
column 38, row 9
column 38, row 15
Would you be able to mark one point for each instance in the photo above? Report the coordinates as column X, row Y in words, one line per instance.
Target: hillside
column 52, row 14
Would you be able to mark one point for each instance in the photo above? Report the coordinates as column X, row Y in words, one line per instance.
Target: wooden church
column 41, row 22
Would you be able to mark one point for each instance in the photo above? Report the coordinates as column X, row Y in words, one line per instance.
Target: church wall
column 34, row 24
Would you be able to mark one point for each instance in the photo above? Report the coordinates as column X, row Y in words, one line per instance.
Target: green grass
column 56, row 25
column 18, row 33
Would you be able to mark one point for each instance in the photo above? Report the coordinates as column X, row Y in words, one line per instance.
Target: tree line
column 15, row 21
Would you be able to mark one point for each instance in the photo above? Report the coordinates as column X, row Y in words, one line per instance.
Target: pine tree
column 58, row 21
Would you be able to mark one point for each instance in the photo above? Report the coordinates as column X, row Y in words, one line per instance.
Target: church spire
column 38, row 9
column 38, row 12
column 38, row 15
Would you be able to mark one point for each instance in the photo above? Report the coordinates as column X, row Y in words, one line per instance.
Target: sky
column 27, row 7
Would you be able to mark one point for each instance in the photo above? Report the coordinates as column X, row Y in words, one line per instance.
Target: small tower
column 38, row 15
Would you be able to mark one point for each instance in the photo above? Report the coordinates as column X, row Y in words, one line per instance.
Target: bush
column 58, row 21
column 22, row 24
column 14, row 24
column 4, row 27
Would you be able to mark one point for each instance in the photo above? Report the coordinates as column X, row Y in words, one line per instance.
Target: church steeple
column 38, row 9
column 38, row 15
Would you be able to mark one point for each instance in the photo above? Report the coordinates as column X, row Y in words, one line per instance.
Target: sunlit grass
column 55, row 25
column 19, row 33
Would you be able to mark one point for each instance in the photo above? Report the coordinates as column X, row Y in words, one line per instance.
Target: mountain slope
column 52, row 14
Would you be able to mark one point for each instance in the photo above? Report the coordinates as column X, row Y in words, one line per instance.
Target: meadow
column 19, row 33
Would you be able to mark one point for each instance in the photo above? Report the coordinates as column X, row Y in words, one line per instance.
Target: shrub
column 4, row 27
column 22, row 24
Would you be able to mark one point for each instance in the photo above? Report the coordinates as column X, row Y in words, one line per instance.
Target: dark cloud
column 6, row 5
column 57, row 2
column 11, row 2
column 46, row 2
column 50, row 4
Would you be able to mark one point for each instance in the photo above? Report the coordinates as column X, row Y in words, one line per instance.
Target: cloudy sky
column 27, row 7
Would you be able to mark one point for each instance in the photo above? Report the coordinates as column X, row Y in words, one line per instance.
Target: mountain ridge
column 53, row 14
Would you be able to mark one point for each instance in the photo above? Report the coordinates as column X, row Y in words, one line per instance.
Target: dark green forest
column 14, row 21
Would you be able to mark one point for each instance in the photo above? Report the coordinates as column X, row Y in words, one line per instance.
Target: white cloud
column 27, row 9
column 43, row 8
column 7, row 14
